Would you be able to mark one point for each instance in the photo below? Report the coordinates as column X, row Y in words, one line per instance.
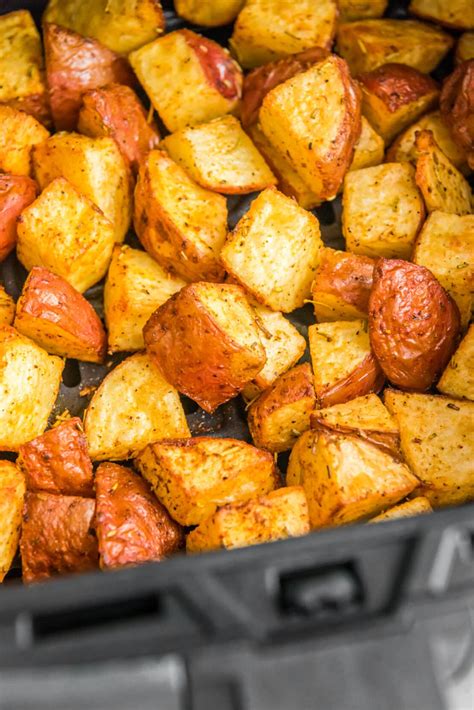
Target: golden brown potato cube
column 343, row 364
column 458, row 378
column 465, row 48
column 219, row 156
column 19, row 132
column 206, row 341
column 282, row 413
column 314, row 119
column 351, row 10
column 63, row 231
column 180, row 224
column 369, row 148
column 278, row 515
column 7, row 308
column 443, row 187
column 394, row 95
column 12, row 494
column 367, row 44
column 193, row 477
column 189, row 78
column 458, row 14
column 134, row 288
column 383, row 210
column 265, row 31
column 95, row 167
column 29, row 384
column 16, row 193
column 274, row 251
column 437, row 441
column 416, row 506
column 208, row 14
column 133, row 406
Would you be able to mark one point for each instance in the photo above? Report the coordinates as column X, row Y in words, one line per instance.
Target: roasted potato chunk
column 282, row 413
column 413, row 324
column 184, row 61
column 133, row 406
column 383, row 210
column 64, row 232
column 19, row 132
column 279, row 514
column 416, row 506
column 344, row 366
column 29, row 384
column 12, row 494
column 134, row 288
column 314, row 119
column 57, row 536
column 193, row 477
column 57, row 317
column 369, row 148
column 274, row 251
column 457, row 107
column 368, row 44
column 209, row 14
column 458, row 14
column 206, row 342
column 132, row 525
column 437, row 440
column 351, row 10
column 458, row 378
column 465, row 47
column 7, row 307
column 58, row 461
column 16, row 193
column 182, row 225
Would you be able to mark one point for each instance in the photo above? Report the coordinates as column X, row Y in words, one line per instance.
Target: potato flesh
column 458, row 378
column 458, row 14
column 337, row 348
column 366, row 412
column 416, row 506
column 7, row 308
column 369, row 148
column 351, row 10
column 208, row 14
column 12, row 494
column 19, row 132
column 465, row 47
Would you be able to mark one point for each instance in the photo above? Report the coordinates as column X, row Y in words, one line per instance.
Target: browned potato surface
column 351, row 10
column 7, row 308
column 416, row 506
column 209, row 14
column 465, row 47
column 457, row 107
column 12, row 494
column 16, row 193
column 458, row 14
column 19, row 132
column 458, row 378
column 369, row 148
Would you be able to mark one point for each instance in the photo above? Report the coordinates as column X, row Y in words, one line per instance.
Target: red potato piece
column 457, row 107
column 413, row 324
column 365, row 378
column 221, row 71
column 16, row 193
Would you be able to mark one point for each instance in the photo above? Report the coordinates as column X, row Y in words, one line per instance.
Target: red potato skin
column 57, row 536
column 58, row 461
column 397, row 85
column 457, row 107
column 16, row 193
column 132, row 525
column 346, row 275
column 37, row 105
column 413, row 324
column 367, row 377
column 390, row 443
column 220, row 69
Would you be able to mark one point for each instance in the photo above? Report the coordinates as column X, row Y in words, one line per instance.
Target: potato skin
column 413, row 324
column 16, row 193
column 365, row 378
column 221, row 72
column 457, row 107
column 132, row 525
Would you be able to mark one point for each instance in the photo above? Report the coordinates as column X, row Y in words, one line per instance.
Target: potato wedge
column 383, row 210
column 413, row 324
column 369, row 148
column 457, row 107
column 19, row 132
column 64, row 232
column 133, row 406
column 16, row 193
column 344, row 366
column 193, row 477
column 416, row 506
column 282, row 412
column 465, row 47
column 134, row 288
column 458, row 14
column 12, row 495
column 132, row 525
column 437, row 440
column 278, row 515
column 274, row 251
column 206, row 342
column 208, row 14
column 180, row 224
column 351, row 10
column 458, row 378
column 7, row 307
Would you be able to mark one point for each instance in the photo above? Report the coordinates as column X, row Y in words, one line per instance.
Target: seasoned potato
column 188, row 78
column 57, row 536
column 458, row 14
column 121, row 25
column 281, row 413
column 416, row 506
column 314, row 119
column 443, row 187
column 12, row 494
column 133, row 406
column 56, row 316
column 134, row 288
column 394, row 95
column 265, row 31
column 7, row 308
column 29, row 384
column 369, row 148
column 95, row 167
column 16, row 193
column 465, row 47
column 343, row 364
column 437, row 440
column 304, row 448
column 209, row 14
column 193, row 477
column 219, row 156
column 58, row 461
column 19, row 132
column 382, row 210
column 275, row 516
column 351, row 10
column 413, row 324
column 116, row 111
column 458, row 378
column 64, row 232
column 368, row 44
column 347, row 479
column 182, row 225
column 341, row 286
column 457, row 107
column 132, row 525
column 206, row 342
column 274, row 251
column 21, row 66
